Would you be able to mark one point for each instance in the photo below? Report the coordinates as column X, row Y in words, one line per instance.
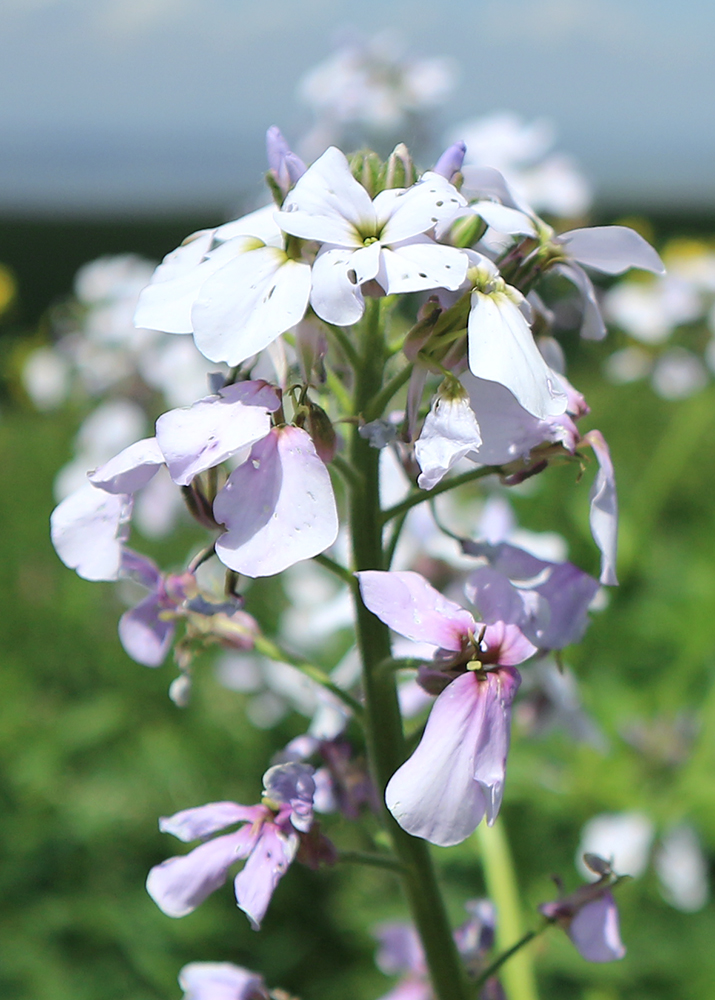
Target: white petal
column 502, row 349
column 166, row 303
column 334, row 297
column 420, row 265
column 450, row 432
column 205, row 434
column 592, row 325
column 248, row 303
column 131, row 469
column 365, row 263
column 611, row 249
column 88, row 529
column 505, row 220
column 328, row 204
column 261, row 224
column 604, row 508
column 418, row 209
column 278, row 506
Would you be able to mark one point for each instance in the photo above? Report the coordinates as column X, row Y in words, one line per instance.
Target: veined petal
column 495, row 733
column 595, row 930
column 449, row 433
column 412, row 607
column 88, row 529
column 420, row 265
column 144, row 635
column 403, row 214
column 179, row 884
column 506, row 645
column 267, row 864
column 278, row 507
column 131, row 469
column 199, row 822
column 434, row 794
column 604, row 507
column 198, row 437
column 611, row 249
column 249, row 302
column 502, row 349
column 334, row 297
column 328, row 204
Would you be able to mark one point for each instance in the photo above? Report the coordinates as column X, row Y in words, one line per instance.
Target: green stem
column 336, row 569
column 270, row 649
column 383, row 397
column 383, row 723
column 447, row 484
column 509, row 953
column 518, row 977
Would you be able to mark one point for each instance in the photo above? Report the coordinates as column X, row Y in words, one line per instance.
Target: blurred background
column 124, row 126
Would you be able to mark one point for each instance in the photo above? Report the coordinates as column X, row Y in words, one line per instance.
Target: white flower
column 364, row 240
column 501, row 346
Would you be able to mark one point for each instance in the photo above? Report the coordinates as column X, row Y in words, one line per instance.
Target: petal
column 261, row 225
column 166, row 303
column 88, row 529
column 604, row 508
column 412, row 607
column 221, row 981
column 434, row 794
column 611, row 249
column 364, row 263
column 490, row 759
column 179, row 884
column 404, row 214
column 592, row 325
column 292, row 784
column 249, row 302
column 278, row 507
column 131, row 469
column 509, row 432
column 568, row 593
column 502, row 349
column 494, row 596
column 138, row 567
column 198, row 437
column 334, row 297
column 328, row 204
column 267, row 864
column 420, row 265
column 506, row 645
column 451, row 160
column 449, row 433
column 505, row 220
column 144, row 635
column 595, row 931
column 193, row 824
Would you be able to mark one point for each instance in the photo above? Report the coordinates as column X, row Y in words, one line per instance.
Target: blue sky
column 152, row 105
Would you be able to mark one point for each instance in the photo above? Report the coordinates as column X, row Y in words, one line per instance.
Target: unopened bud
column 367, row 169
column 419, row 335
column 322, row 432
column 399, row 169
column 450, row 162
column 465, row 232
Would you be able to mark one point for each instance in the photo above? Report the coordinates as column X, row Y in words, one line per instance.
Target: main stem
column 383, row 722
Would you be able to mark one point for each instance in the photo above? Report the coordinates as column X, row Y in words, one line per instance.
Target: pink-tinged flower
column 384, row 240
column 277, row 507
column 456, row 775
column 590, row 917
column 221, row 981
column 268, row 840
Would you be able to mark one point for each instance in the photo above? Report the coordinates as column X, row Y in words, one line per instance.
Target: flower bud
column 322, row 432
column 450, row 162
column 399, row 169
column 367, row 169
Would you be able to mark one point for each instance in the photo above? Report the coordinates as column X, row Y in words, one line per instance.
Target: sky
column 151, row 106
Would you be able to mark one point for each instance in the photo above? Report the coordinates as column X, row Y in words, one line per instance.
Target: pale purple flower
column 455, row 777
column 88, row 530
column 384, row 240
column 283, row 163
column 267, row 840
column 221, row 981
column 450, row 162
column 590, row 918
column 548, row 601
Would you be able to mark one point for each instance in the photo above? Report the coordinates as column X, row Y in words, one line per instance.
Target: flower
column 221, row 981
column 456, row 775
column 268, row 840
column 589, row 915
column 364, row 240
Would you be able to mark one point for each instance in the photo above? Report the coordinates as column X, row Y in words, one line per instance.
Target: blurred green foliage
column 92, row 751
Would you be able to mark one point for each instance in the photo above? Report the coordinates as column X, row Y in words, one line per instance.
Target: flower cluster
column 374, row 318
